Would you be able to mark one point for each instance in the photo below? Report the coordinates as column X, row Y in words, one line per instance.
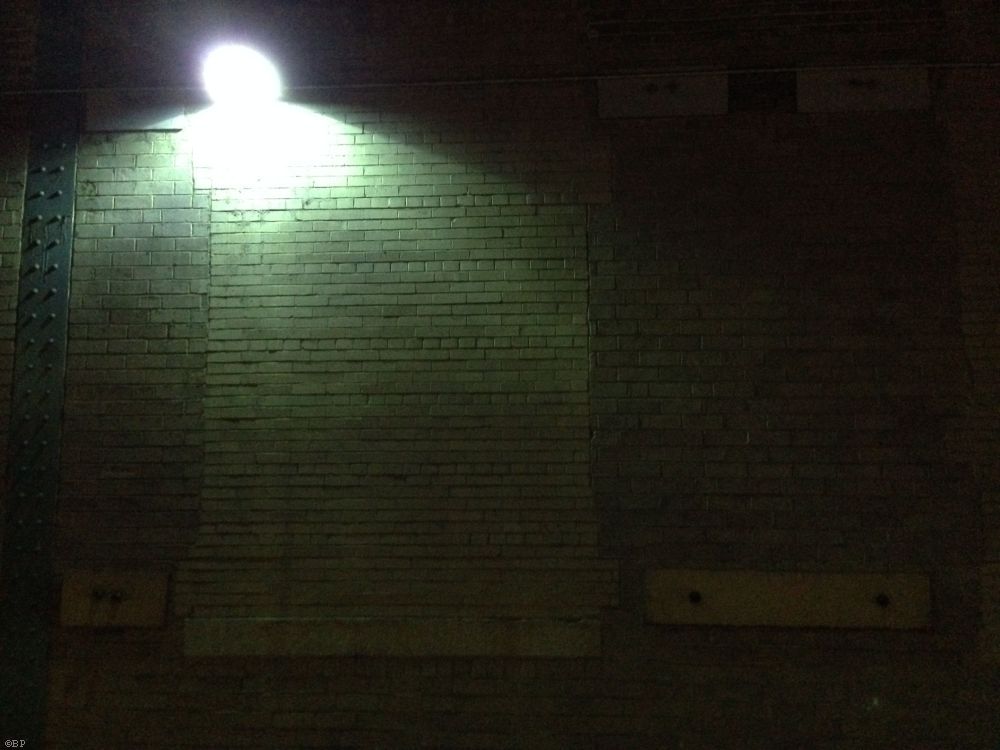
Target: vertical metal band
column 27, row 593
column 27, row 596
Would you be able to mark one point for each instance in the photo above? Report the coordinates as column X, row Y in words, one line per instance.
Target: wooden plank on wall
column 758, row 598
column 113, row 599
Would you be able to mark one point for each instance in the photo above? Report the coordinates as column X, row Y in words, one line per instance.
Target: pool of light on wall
column 273, row 143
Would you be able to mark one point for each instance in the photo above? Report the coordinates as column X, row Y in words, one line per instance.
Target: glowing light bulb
column 234, row 74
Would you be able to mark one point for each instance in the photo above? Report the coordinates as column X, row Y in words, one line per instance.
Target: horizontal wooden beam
column 803, row 600
column 113, row 599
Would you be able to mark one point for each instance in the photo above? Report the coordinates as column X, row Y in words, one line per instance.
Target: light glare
column 234, row 74
column 271, row 145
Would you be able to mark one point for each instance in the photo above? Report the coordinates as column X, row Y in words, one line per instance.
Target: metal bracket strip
column 27, row 596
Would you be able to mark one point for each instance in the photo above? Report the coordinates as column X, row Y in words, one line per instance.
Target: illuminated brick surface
column 396, row 384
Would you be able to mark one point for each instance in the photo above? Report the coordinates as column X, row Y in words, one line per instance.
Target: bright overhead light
column 234, row 74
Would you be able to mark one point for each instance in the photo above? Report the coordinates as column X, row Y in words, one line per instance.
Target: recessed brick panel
column 777, row 360
column 974, row 169
column 396, row 404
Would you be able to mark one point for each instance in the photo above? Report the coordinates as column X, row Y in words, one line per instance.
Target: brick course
column 12, row 176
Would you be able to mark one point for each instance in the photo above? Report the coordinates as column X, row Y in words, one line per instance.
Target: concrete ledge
column 390, row 637
column 804, row 600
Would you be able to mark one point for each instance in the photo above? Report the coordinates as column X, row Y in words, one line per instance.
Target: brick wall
column 752, row 33
column 973, row 169
column 404, row 415
column 778, row 365
column 343, row 43
column 472, row 361
column 777, row 345
column 18, row 26
column 354, row 42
